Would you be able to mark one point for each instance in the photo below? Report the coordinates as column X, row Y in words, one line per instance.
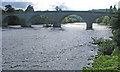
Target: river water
column 38, row 48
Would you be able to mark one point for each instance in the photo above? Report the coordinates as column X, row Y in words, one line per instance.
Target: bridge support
column 26, row 24
column 89, row 26
column 57, row 24
column 4, row 24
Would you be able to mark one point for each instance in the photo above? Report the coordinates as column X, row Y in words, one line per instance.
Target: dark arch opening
column 12, row 21
column 40, row 21
column 73, row 20
column 102, row 20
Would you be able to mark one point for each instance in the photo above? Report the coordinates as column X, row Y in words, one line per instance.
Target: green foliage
column 106, row 20
column 116, row 37
column 114, row 23
column 72, row 18
column 88, row 68
column 114, row 9
column 9, row 9
column 97, row 41
column 103, row 20
column 99, row 20
column 116, row 52
column 106, row 47
column 19, row 10
column 116, row 32
column 109, row 50
column 3, row 11
column 106, row 63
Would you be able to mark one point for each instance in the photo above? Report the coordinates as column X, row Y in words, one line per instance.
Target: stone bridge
column 56, row 17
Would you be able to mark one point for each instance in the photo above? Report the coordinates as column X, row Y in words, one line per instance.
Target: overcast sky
column 64, row 4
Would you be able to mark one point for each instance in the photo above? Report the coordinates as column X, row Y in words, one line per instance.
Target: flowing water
column 38, row 48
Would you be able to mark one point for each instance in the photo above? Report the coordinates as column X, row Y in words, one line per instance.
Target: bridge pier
column 4, row 24
column 57, row 24
column 26, row 24
column 89, row 26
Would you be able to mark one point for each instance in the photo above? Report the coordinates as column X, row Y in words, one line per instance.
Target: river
column 38, row 48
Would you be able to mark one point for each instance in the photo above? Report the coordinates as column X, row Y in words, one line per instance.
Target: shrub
column 106, row 63
column 106, row 47
column 97, row 41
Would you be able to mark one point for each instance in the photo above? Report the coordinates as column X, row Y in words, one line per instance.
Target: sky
column 79, row 5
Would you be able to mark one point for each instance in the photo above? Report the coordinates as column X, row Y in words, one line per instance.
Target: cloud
column 63, row 4
column 16, row 5
column 119, row 4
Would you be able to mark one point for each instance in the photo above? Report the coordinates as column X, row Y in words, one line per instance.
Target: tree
column 3, row 11
column 29, row 9
column 114, row 9
column 57, row 8
column 60, row 9
column 99, row 20
column 115, row 22
column 19, row 10
column 9, row 9
column 110, row 8
column 106, row 20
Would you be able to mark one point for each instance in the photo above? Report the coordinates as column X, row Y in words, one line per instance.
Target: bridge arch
column 72, row 15
column 63, row 17
column 11, row 20
column 39, row 19
column 99, row 16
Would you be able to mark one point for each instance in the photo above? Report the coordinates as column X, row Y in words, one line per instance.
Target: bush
column 106, row 63
column 106, row 47
column 97, row 41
